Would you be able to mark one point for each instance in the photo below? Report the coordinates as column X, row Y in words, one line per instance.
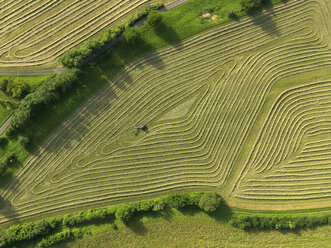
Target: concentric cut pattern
column 36, row 32
column 200, row 100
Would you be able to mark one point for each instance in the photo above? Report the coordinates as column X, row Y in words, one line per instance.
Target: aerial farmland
column 124, row 121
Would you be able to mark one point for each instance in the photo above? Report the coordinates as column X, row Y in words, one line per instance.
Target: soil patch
column 205, row 14
column 213, row 18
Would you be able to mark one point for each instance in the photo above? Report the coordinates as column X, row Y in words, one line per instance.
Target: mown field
column 33, row 34
column 195, row 230
column 235, row 109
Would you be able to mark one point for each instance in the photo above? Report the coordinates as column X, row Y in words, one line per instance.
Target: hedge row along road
column 33, row 34
column 204, row 102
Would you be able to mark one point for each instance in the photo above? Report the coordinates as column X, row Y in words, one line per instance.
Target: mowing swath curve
column 36, row 33
column 224, row 74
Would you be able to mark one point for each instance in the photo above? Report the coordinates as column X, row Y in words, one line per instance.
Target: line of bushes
column 44, row 94
column 60, row 237
column 278, row 222
column 14, row 87
column 30, row 231
column 76, row 56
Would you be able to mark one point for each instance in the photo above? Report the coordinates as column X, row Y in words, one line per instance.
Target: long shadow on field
column 169, row 35
column 8, row 210
column 106, row 95
column 266, row 21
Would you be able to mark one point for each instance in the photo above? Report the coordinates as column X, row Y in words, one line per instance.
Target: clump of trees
column 209, row 202
column 47, row 92
column 75, row 56
column 3, row 141
column 249, row 5
column 14, row 87
column 154, row 19
column 131, row 35
column 123, row 212
column 24, row 141
column 10, row 159
column 278, row 222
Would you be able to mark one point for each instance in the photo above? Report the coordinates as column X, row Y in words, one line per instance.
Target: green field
column 191, row 229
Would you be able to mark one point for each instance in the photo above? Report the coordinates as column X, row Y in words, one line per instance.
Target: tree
column 131, row 35
column 24, row 141
column 3, row 141
column 10, row 159
column 248, row 5
column 3, row 170
column 154, row 18
column 209, row 202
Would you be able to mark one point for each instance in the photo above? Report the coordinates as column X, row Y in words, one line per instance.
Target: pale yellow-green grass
column 195, row 231
column 202, row 101
column 33, row 34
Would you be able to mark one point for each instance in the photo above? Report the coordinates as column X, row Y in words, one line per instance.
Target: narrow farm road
column 5, row 125
column 31, row 73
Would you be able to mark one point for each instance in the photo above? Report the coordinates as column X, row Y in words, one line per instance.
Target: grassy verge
column 190, row 229
column 205, row 206
column 33, row 81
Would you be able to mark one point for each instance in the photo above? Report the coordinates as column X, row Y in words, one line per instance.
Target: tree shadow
column 8, row 211
column 169, row 35
column 266, row 20
column 137, row 226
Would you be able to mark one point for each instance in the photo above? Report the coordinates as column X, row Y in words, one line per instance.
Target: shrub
column 154, row 18
column 10, row 159
column 3, row 84
column 125, row 212
column 24, row 141
column 178, row 200
column 209, row 202
column 232, row 14
column 114, row 226
column 3, row 141
column 3, row 170
column 15, row 88
column 249, row 5
column 131, row 35
column 43, row 95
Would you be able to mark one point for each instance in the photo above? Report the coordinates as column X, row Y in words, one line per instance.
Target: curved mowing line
column 93, row 157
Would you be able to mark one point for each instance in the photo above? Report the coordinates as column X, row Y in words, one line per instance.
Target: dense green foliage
column 24, row 141
column 3, row 141
column 50, row 231
column 249, row 5
column 60, row 236
column 43, row 95
column 9, row 159
column 75, row 56
column 154, row 18
column 131, row 36
column 14, row 87
column 279, row 223
column 209, row 202
column 123, row 212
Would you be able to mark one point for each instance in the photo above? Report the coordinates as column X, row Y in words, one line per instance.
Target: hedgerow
column 14, row 87
column 123, row 212
column 76, row 56
column 278, row 222
column 43, row 95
